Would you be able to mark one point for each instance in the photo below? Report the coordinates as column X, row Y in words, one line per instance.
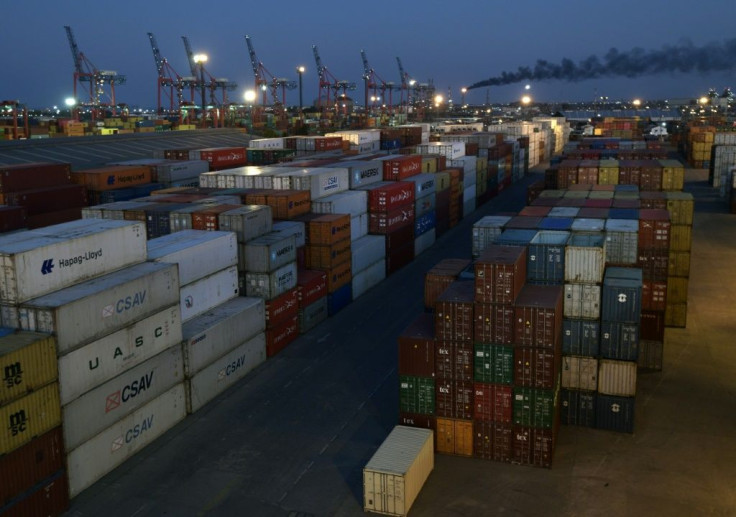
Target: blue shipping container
column 619, row 341
column 545, row 260
column 515, row 237
column 615, row 413
column 556, row 223
column 623, row 213
column 621, row 295
column 580, row 337
column 578, row 407
column 424, row 223
column 340, row 298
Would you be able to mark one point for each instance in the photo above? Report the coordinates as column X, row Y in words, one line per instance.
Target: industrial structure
column 331, row 89
column 376, row 89
column 265, row 81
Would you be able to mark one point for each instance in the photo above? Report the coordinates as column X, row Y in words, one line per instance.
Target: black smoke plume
column 683, row 57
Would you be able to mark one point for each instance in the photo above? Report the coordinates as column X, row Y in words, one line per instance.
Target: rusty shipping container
column 492, row 441
column 442, row 274
column 492, row 402
column 416, row 347
column 454, row 312
column 50, row 498
column 500, row 274
column 654, row 229
column 494, row 323
column 538, row 316
column 536, row 367
column 454, row 399
column 453, row 360
column 25, row 176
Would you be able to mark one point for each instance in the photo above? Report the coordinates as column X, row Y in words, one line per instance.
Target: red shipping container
column 524, row 222
column 222, row 157
column 625, row 203
column 454, row 399
column 311, row 286
column 453, row 360
column 282, row 308
column 494, row 323
column 389, row 195
column 651, row 327
column 402, row 167
column 209, row 218
column 629, row 172
column 545, row 201
column 654, row 263
column 653, row 200
column 399, row 257
column 538, row 315
column 454, row 312
column 597, row 203
column 567, row 173
column 500, row 274
column 28, row 176
column 328, row 143
column 654, row 295
column 12, row 218
column 49, row 199
column 380, row 223
column 417, row 347
column 52, row 218
column 48, row 498
column 654, row 229
column 536, row 367
column 651, row 176
column 418, row 420
column 31, row 464
column 493, row 402
column 437, row 279
column 400, row 238
column 533, row 446
column 277, row 338
column 535, row 211
column 492, row 441
column 176, row 154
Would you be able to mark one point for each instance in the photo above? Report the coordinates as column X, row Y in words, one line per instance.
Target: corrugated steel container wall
column 534, row 407
column 546, row 257
column 582, row 301
column 269, row 286
column 16, row 177
column 216, row 332
column 97, row 362
column 416, row 394
column 454, row 436
column 651, row 327
column 492, row 441
column 98, row 456
column 295, row 228
column 248, row 222
column 485, row 232
column 367, row 251
column 580, row 373
column 585, row 259
column 328, row 229
column 102, row 406
column 424, row 241
column 678, row 263
column 680, row 205
column 416, row 346
column 580, row 337
column 538, row 314
column 536, row 367
column 442, row 274
column 282, row 308
column 368, row 277
column 617, row 378
column 622, row 241
column 619, row 341
column 320, row 181
column 269, row 252
column 650, row 355
column 389, row 195
column 49, row 497
column 27, row 362
column 500, row 274
column 395, row 474
column 90, row 310
column 208, row 292
column 621, row 296
column 654, row 229
column 198, row 253
column 681, row 237
column 312, row 285
column 66, row 254
column 319, row 256
column 28, row 417
column 615, row 413
column 312, row 315
column 353, row 202
column 578, row 407
column 494, row 323
column 212, row 380
column 493, row 363
column 453, row 399
column 278, row 338
column 363, row 173
column 492, row 402
column 454, row 312
column 30, row 464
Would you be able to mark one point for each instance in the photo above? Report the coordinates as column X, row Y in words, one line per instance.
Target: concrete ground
column 292, row 438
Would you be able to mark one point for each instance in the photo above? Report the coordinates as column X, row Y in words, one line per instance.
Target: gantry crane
column 97, row 80
column 266, row 81
column 371, row 77
column 17, row 112
column 170, row 83
column 419, row 95
column 329, row 83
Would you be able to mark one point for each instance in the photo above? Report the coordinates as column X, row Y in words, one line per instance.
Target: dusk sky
column 455, row 44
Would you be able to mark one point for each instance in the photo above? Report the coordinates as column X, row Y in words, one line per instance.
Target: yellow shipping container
column 443, row 181
column 27, row 362
column 28, row 417
column 681, row 206
column 679, row 263
column 673, row 175
column 481, row 164
column 677, row 289
column 675, row 315
column 481, row 179
column 455, row 436
column 608, row 172
column 429, row 164
column 680, row 237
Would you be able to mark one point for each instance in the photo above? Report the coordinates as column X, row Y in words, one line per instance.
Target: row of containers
column 647, row 175
column 117, row 330
column 701, row 137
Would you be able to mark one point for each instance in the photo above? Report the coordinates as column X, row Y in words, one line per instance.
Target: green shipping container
column 535, row 407
column 493, row 364
column 416, row 394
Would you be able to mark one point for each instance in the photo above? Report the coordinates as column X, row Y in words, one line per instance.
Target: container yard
column 501, row 300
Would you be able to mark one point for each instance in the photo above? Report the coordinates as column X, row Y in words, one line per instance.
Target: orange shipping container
column 338, row 276
column 455, row 436
column 328, row 229
column 327, row 257
column 114, row 177
column 287, row 204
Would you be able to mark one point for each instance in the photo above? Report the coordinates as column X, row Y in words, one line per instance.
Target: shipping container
column 268, row 253
column 50, row 497
column 37, row 262
column 400, row 168
column 654, row 266
column 615, row 413
column 327, row 229
column 312, row 315
column 353, row 202
column 208, row 292
column 492, row 441
column 25, row 418
column 99, row 361
column 277, row 338
column 652, row 325
column 454, row 398
column 546, row 257
column 369, row 277
column 533, row 446
column 500, row 274
column 198, row 253
column 93, row 459
column 582, row 301
column 454, row 312
column 319, row 181
column 485, row 232
column 362, row 173
column 92, row 309
column 282, row 308
column 578, row 407
column 585, row 259
column 455, row 436
column 617, row 378
column 651, row 355
column 112, row 177
column 580, row 337
column 27, row 362
column 366, row 251
column 680, row 205
column 24, row 176
column 534, row 407
column 622, row 241
column 340, row 297
column 222, row 373
column 493, row 363
column 395, row 474
column 248, row 222
column 295, row 228
column 271, row 285
column 654, row 229
column 619, row 341
column 681, row 237
column 416, row 394
column 494, row 323
column 385, row 196
column 621, row 295
column 442, row 274
column 492, row 402
column 579, row 373
column 536, row 367
column 220, row 157
column 420, row 421
column 538, row 316
column 312, row 285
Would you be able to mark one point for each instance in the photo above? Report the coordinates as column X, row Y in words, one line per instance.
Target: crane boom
column 190, row 56
column 76, row 55
column 318, row 60
column 254, row 63
column 366, row 67
column 157, row 55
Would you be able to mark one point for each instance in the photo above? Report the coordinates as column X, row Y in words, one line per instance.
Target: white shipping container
column 177, row 170
column 486, row 230
column 266, row 143
column 396, row 473
column 104, row 405
column 424, row 242
column 90, row 310
column 617, row 378
column 368, row 147
column 358, row 137
column 368, row 277
column 219, row 330
column 319, row 181
column 37, row 262
column 579, row 373
column 271, row 285
column 99, row 361
column 359, row 226
column 585, row 258
column 224, row 372
column 269, row 252
column 582, row 301
column 450, row 150
column 361, row 173
column 295, row 228
column 110, row 448
column 248, row 222
column 114, row 210
column 198, row 253
column 353, row 202
column 208, row 292
column 366, row 251
column 584, row 224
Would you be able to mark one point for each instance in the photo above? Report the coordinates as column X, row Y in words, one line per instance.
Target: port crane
column 419, row 95
column 375, row 84
column 266, row 81
column 95, row 81
column 328, row 84
column 170, row 84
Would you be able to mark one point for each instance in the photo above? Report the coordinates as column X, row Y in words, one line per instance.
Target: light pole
column 201, row 59
column 300, row 70
column 71, row 103
column 463, row 91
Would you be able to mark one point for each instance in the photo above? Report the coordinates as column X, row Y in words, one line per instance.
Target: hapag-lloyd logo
column 401, row 196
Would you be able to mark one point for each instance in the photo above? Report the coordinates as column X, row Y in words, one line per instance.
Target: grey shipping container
column 622, row 241
column 295, row 228
column 248, row 222
column 366, row 251
column 271, row 285
column 582, row 301
column 269, row 252
column 313, row 314
column 585, row 258
column 369, row 277
column 546, row 257
column 208, row 292
column 353, row 202
column 363, row 173
column 486, row 230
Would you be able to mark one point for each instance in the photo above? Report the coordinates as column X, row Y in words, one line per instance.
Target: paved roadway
column 292, row 438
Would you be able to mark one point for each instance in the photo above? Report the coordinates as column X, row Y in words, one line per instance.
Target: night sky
column 454, row 44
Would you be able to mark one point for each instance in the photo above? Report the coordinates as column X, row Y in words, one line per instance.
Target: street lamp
column 526, row 100
column 71, row 103
column 463, row 91
column 200, row 60
column 636, row 102
column 300, row 70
